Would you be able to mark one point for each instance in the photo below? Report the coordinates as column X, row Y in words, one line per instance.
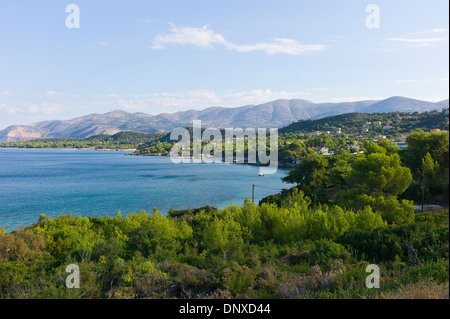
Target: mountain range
column 277, row 113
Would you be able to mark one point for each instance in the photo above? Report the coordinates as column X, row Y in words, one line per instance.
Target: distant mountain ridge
column 276, row 113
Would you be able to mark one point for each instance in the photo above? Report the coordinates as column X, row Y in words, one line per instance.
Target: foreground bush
column 267, row 251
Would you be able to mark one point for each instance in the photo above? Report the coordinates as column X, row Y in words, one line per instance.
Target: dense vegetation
column 120, row 141
column 379, row 176
column 265, row 251
column 354, row 123
column 314, row 240
column 288, row 246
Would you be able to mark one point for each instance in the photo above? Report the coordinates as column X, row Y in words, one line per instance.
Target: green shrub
column 327, row 250
column 238, row 279
column 410, row 243
column 108, row 249
column 440, row 218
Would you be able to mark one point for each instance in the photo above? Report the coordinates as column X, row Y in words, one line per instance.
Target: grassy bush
column 248, row 251
column 411, row 243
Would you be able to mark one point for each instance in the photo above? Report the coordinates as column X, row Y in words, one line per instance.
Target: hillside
column 400, row 122
column 277, row 113
column 121, row 140
column 351, row 124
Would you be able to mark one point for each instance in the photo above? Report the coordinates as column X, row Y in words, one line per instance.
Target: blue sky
column 166, row 56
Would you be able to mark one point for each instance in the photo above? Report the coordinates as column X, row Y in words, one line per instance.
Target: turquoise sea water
column 96, row 183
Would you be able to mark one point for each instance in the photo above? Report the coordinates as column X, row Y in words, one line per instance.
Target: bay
column 98, row 183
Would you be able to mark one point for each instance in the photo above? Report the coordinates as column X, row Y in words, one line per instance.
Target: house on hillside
column 325, row 151
column 352, row 147
column 401, row 145
column 336, row 130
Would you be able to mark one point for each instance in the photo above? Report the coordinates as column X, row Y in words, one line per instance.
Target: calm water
column 96, row 183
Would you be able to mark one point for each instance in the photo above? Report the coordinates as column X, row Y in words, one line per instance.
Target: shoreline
column 280, row 165
column 74, row 149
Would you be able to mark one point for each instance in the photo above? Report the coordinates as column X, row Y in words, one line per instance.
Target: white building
column 401, row 145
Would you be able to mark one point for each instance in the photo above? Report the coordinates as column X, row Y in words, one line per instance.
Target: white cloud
column 258, row 96
column 196, row 99
column 37, row 104
column 46, row 108
column 201, row 37
column 286, row 46
column 440, row 30
column 53, row 94
column 421, row 39
column 100, row 44
column 6, row 93
column 105, row 95
column 405, row 81
column 30, row 108
column 410, row 81
column 8, row 109
column 386, row 49
column 412, row 40
column 435, row 30
column 433, row 99
column 207, row 38
column 354, row 99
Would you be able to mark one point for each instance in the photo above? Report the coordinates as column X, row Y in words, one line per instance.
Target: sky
column 59, row 61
